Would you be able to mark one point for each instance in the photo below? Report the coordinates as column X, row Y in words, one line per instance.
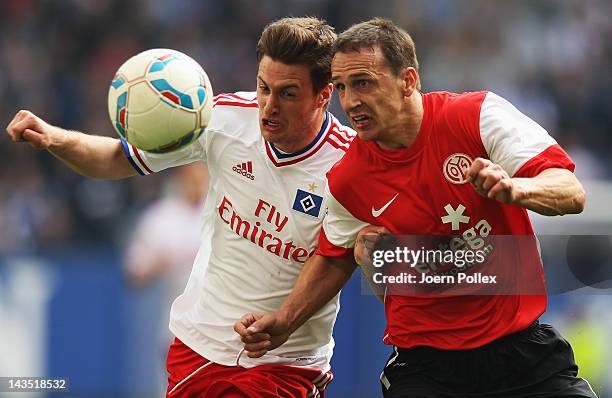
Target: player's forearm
column 320, row 280
column 90, row 155
column 368, row 273
column 553, row 192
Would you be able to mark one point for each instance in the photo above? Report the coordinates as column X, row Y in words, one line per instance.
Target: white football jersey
column 263, row 214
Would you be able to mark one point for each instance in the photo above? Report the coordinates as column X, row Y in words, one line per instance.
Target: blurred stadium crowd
column 551, row 58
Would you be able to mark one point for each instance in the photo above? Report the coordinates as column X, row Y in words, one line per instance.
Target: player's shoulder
column 347, row 170
column 239, row 99
column 235, row 114
column 339, row 136
column 346, row 131
column 455, row 114
column 448, row 102
column 335, row 142
column 468, row 109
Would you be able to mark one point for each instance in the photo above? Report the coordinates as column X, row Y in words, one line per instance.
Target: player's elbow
column 579, row 201
column 575, row 204
column 576, row 196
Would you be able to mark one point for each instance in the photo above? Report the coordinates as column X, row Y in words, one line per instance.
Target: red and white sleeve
column 340, row 229
column 521, row 146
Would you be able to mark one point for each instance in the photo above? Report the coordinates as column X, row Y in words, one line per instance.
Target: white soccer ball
column 160, row 100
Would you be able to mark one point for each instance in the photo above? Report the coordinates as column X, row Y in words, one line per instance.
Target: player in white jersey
column 263, row 208
column 267, row 155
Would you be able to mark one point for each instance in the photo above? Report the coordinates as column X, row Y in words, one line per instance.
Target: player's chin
column 367, row 134
column 368, row 131
column 273, row 137
column 271, row 134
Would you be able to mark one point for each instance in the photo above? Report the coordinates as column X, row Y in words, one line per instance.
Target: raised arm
column 525, row 165
column 89, row 155
column 553, row 192
column 319, row 281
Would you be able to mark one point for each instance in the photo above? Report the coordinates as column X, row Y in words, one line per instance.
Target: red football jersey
column 422, row 190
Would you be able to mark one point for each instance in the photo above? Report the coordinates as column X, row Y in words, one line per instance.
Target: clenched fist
column 27, row 127
column 492, row 181
column 370, row 238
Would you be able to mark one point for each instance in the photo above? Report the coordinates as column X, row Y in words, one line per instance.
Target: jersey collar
column 280, row 158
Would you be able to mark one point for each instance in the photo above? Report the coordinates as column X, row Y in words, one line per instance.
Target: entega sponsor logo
column 259, row 236
column 473, row 238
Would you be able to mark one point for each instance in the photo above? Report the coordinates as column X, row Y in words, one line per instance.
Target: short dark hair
column 305, row 41
column 395, row 43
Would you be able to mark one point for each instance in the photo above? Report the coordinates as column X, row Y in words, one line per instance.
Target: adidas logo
column 245, row 169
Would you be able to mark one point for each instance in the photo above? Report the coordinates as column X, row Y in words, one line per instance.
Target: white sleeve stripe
column 510, row 138
column 134, row 160
column 128, row 155
column 340, row 136
column 233, row 100
column 338, row 141
column 345, row 132
column 138, row 160
column 246, row 96
column 340, row 226
column 224, row 97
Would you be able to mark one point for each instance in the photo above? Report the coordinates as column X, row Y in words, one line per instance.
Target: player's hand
column 491, row 181
column 261, row 332
column 368, row 239
column 27, row 127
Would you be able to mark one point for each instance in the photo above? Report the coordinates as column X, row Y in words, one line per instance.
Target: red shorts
column 191, row 375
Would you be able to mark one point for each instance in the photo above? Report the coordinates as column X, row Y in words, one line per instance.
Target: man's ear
column 410, row 78
column 325, row 95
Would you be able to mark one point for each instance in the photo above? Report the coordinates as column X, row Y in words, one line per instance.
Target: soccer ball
column 160, row 100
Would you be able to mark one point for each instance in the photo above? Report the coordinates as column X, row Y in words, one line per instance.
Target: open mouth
column 270, row 124
column 360, row 121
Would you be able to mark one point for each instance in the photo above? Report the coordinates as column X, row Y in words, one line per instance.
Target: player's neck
column 405, row 131
column 309, row 134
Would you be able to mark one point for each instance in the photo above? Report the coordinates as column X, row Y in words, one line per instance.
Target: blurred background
column 71, row 305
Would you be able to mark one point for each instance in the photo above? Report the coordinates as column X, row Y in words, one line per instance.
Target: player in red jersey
column 437, row 164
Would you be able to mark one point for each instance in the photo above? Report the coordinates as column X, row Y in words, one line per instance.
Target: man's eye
column 339, row 86
column 362, row 83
